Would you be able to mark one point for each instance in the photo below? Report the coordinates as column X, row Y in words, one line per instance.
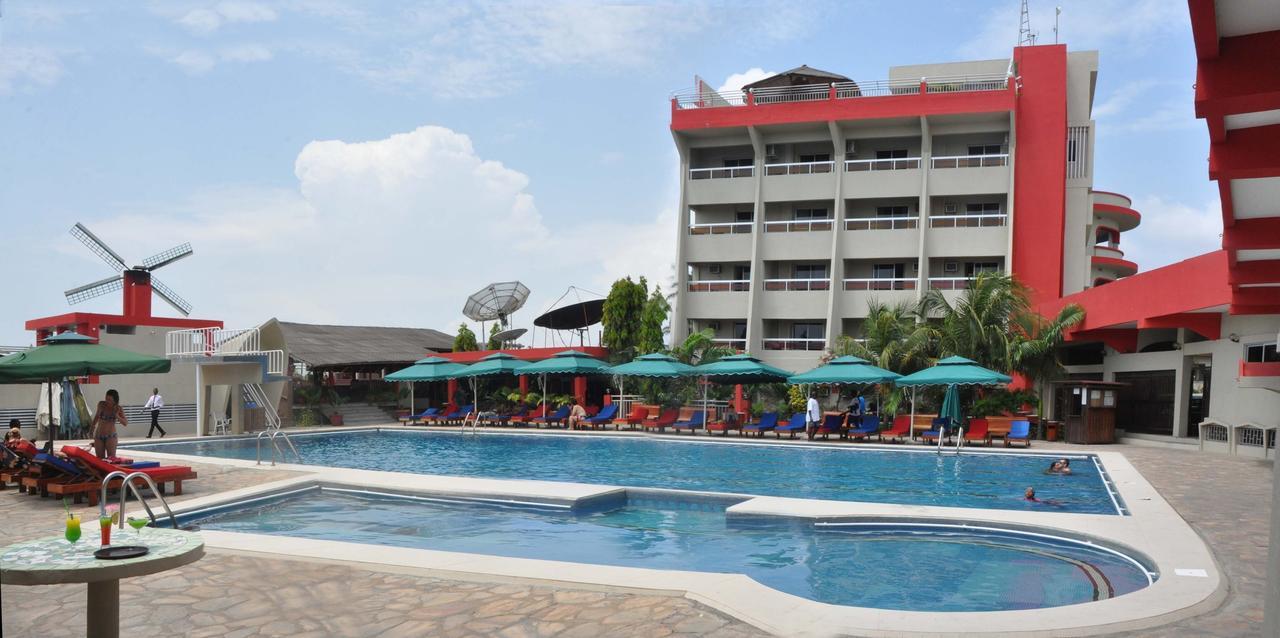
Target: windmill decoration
column 136, row 281
column 496, row 302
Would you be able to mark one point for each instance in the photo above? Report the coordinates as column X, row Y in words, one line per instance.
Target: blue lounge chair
column 555, row 418
column 425, row 414
column 796, row 424
column 941, row 428
column 1018, row 431
column 459, row 415
column 695, row 422
column 605, row 415
column 768, row 421
column 867, row 425
column 831, row 424
column 504, row 419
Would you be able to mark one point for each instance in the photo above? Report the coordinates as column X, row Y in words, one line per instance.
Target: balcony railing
column 894, row 164
column 797, row 284
column 797, row 226
column 721, row 228
column 976, row 220
column 799, row 168
column 723, row 172
column 727, row 285
column 1108, row 251
column 794, row 343
column 703, row 97
column 736, row 344
column 970, row 161
column 949, row 283
column 210, row 342
column 881, row 283
column 881, row 223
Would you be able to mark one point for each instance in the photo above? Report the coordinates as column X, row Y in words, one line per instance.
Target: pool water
column 923, row 568
column 971, row 479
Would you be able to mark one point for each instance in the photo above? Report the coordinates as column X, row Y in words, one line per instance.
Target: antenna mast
column 1026, row 37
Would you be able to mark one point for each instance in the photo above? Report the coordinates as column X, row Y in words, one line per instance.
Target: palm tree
column 893, row 339
column 1035, row 356
column 700, row 347
column 980, row 325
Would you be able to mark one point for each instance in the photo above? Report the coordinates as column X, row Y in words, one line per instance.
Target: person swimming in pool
column 1030, row 497
column 1060, row 466
column 104, row 425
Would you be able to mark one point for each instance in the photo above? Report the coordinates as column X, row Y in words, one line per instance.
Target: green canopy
column 653, row 365
column 429, row 369
column 740, row 368
column 846, row 370
column 492, row 365
column 955, row 371
column 951, row 409
column 567, row 362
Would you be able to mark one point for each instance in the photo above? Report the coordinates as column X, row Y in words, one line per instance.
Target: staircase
column 364, row 414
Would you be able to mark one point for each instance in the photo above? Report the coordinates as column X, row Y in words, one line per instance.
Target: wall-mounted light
column 1235, row 338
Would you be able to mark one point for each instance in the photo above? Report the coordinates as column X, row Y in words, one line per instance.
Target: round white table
column 52, row 560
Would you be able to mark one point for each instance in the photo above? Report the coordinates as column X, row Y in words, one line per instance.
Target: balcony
column 799, row 168
column 798, row 226
column 970, row 161
column 797, row 285
column 1108, row 251
column 1105, row 265
column 910, row 222
column 978, row 220
column 794, row 343
column 227, row 344
column 969, row 174
column 723, row 228
column 897, row 164
column 728, row 172
column 1113, row 210
column 858, row 293
column 881, row 283
column 727, row 285
column 736, row 344
column 949, row 283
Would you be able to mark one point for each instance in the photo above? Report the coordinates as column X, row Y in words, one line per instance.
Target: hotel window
column 1261, row 353
column 808, row 331
column 810, row 271
column 815, row 157
column 888, row 271
column 972, row 268
column 891, row 211
column 984, row 149
column 895, row 153
column 986, row 208
column 807, row 214
column 734, row 163
column 741, row 273
column 740, row 330
column 744, row 216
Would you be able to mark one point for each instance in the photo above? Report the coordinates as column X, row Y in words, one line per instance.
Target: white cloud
column 194, row 62
column 731, row 88
column 206, row 20
column 23, row 68
column 200, row 61
column 1172, row 231
column 246, row 53
column 394, row 231
column 1101, row 24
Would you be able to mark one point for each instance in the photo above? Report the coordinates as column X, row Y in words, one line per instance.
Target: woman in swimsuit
column 104, row 425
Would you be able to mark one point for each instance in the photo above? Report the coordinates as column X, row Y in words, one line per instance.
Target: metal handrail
column 798, row 226
column 970, row 161
column 983, row 220
column 880, row 283
column 876, row 88
column 721, row 228
column 799, row 168
column 127, row 482
column 881, row 223
column 886, row 164
column 801, row 93
column 720, row 285
column 949, row 283
column 722, row 172
column 275, row 447
column 816, row 283
column 703, row 97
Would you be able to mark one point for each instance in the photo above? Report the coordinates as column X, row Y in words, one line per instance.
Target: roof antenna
column 1057, row 13
column 1026, row 37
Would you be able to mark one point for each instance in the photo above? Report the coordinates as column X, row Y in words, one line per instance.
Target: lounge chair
column 504, row 419
column 47, row 470
column 730, row 422
column 768, row 421
column 425, row 414
column 867, row 425
column 604, row 416
column 941, row 428
column 162, row 475
column 665, row 419
column 695, row 422
column 1018, row 431
column 638, row 414
column 555, row 418
column 457, row 416
column 899, row 431
column 796, row 424
column 831, row 424
column 977, row 432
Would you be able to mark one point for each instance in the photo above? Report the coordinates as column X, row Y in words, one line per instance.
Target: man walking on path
column 812, row 416
column 154, row 404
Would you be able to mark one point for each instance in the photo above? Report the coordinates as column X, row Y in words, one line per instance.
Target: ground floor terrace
column 279, row 586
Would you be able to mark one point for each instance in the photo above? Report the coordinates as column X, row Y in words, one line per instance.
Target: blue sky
column 374, row 163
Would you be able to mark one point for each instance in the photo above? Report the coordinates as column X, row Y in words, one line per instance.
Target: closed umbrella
column 952, row 371
column 74, row 355
column 428, row 369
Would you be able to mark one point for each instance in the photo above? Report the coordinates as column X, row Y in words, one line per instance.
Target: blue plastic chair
column 605, row 415
column 831, row 424
column 941, row 428
column 768, row 421
column 1018, row 431
column 868, row 425
column 695, row 422
column 555, row 418
column 427, row 413
column 796, row 424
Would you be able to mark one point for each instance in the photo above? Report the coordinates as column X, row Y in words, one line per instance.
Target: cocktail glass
column 73, row 528
column 137, row 524
column 104, row 524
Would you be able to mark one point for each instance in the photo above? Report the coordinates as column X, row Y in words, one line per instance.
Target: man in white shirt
column 813, row 416
column 154, row 404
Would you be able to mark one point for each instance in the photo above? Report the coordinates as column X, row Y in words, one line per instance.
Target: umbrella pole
column 911, row 427
column 53, row 433
column 704, row 403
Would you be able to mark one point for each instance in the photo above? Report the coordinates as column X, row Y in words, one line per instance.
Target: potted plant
column 336, row 400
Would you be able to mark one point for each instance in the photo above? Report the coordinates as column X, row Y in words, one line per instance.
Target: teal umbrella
column 654, row 365
column 428, row 369
column 738, row 368
column 955, row 371
column 951, row 410
column 497, row 364
column 846, row 370
column 569, row 362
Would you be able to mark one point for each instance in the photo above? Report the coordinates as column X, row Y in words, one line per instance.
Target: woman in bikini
column 104, row 425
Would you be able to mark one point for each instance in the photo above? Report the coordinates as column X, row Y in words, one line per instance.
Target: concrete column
column 1181, row 396
column 237, row 408
column 202, row 400
column 1271, row 622
column 836, row 269
column 755, row 324
column 679, row 327
column 922, row 253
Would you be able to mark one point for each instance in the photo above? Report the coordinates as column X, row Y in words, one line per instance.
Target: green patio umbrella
column 846, row 370
column 951, row 409
column 569, row 362
column 738, row 368
column 497, row 364
column 428, row 369
column 952, row 371
column 74, row 355
column 653, row 366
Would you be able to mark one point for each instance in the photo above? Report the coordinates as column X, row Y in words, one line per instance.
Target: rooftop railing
column 210, row 342
column 701, row 98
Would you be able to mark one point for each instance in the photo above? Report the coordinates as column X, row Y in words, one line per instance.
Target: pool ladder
column 128, row 484
column 959, row 440
column 272, row 434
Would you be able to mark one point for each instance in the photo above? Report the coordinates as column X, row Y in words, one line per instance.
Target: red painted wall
column 1040, row 169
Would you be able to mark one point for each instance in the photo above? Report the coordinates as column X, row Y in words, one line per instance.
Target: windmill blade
column 167, row 257
column 95, row 289
column 116, row 262
column 166, row 293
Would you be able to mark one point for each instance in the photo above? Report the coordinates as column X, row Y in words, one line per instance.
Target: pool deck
column 1185, row 599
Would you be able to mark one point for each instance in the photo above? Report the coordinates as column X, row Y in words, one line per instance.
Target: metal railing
column 966, row 83
column 258, row 395
column 799, row 168
column 737, row 344
column 701, row 98
column 723, row 285
column 127, row 485
column 794, row 343
column 949, row 283
column 211, row 342
column 797, row 226
column 876, row 88
column 881, row 283
column 721, row 228
column 802, row 93
column 801, row 285
column 722, row 172
column 970, row 161
column 881, row 223
column 975, row 220
column 892, row 164
column 695, row 98
column 271, row 436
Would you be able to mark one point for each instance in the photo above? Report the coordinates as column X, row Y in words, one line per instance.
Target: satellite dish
column 572, row 317
column 507, row 336
column 496, row 301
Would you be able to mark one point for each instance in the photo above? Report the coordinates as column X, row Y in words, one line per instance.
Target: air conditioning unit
column 915, row 266
column 714, row 325
column 950, row 208
column 771, row 152
column 950, row 266
column 714, row 269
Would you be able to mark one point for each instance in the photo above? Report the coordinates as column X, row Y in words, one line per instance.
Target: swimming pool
column 886, row 566
column 971, row 479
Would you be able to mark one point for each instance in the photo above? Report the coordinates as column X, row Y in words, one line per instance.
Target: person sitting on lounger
column 576, row 415
column 15, row 431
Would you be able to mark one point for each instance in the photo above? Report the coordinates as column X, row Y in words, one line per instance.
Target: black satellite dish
column 572, row 317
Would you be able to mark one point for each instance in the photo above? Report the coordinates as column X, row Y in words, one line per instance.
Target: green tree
column 1035, row 355
column 653, row 319
column 465, row 341
column 980, row 325
column 895, row 339
column 494, row 344
column 622, row 317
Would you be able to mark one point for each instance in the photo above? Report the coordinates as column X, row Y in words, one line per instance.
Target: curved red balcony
column 1115, row 210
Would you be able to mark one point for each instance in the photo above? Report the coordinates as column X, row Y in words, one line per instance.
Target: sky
column 375, row 163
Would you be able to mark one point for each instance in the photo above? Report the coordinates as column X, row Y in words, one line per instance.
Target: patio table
column 52, row 560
